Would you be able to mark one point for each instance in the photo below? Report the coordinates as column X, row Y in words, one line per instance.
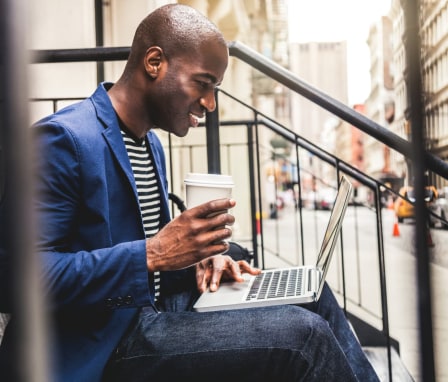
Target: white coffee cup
column 201, row 188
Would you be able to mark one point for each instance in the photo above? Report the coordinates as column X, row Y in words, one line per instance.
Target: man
column 122, row 277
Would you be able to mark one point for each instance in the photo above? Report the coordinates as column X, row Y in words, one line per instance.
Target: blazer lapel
column 112, row 133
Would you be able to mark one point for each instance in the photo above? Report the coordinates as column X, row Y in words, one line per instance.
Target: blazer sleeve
column 85, row 264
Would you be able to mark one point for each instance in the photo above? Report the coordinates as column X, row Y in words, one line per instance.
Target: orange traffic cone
column 396, row 231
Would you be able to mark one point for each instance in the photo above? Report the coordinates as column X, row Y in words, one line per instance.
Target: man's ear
column 153, row 60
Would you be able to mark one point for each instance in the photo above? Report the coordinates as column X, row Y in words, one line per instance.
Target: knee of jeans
column 306, row 322
column 321, row 329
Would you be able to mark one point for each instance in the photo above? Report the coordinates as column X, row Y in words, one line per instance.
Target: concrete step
column 377, row 356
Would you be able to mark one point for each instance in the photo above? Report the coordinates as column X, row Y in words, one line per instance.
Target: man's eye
column 206, row 85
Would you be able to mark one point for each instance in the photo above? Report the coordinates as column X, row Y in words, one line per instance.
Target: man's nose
column 209, row 101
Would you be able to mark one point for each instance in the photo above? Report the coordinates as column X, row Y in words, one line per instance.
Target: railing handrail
column 283, row 76
column 103, row 54
column 273, row 70
column 348, row 114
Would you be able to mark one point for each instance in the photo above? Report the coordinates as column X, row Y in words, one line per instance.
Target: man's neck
column 127, row 107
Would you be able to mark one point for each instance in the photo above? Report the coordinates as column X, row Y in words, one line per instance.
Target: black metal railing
column 304, row 251
column 276, row 72
column 286, row 78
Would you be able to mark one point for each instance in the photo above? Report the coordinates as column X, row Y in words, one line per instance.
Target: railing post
column 383, row 286
column 213, row 142
column 99, row 37
column 415, row 111
column 256, row 225
column 20, row 287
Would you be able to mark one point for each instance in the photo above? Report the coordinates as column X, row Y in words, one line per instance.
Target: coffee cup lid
column 216, row 180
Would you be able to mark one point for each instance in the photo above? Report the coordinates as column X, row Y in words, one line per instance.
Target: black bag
column 237, row 252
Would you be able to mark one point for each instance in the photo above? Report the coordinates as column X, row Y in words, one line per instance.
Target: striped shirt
column 147, row 189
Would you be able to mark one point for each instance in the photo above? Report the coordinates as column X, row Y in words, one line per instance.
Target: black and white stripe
column 147, row 189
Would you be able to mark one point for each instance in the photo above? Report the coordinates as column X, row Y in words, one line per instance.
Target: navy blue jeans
column 281, row 343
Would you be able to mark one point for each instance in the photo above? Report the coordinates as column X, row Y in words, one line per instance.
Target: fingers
column 209, row 238
column 213, row 207
column 212, row 221
column 203, row 271
column 211, row 271
column 246, row 268
column 219, row 262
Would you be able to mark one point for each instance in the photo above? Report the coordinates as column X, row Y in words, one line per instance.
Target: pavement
column 362, row 274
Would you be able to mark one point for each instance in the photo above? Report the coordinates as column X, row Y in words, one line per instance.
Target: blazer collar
column 109, row 120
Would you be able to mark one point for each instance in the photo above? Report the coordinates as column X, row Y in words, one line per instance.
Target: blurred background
column 353, row 51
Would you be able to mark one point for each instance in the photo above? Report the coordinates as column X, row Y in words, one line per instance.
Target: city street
column 362, row 281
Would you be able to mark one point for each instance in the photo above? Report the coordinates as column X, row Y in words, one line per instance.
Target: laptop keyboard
column 276, row 283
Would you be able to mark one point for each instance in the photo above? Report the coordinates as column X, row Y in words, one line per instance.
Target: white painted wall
column 64, row 24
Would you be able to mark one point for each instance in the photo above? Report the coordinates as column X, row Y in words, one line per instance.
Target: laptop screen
column 333, row 228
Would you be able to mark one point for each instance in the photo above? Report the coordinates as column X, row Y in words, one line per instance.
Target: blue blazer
column 91, row 238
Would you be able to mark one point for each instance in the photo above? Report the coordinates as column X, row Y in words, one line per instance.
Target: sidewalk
column 403, row 315
column 401, row 284
column 401, row 272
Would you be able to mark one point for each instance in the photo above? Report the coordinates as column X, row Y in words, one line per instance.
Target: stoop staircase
column 380, row 347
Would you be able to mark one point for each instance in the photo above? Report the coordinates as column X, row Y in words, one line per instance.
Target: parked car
column 404, row 209
column 440, row 209
column 325, row 198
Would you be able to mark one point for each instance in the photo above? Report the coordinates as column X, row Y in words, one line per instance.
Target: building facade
column 350, row 147
column 324, row 66
column 434, row 40
column 434, row 69
column 380, row 102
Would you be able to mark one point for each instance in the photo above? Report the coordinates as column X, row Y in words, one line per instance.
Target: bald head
column 176, row 29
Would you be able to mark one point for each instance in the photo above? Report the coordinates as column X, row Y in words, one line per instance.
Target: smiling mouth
column 194, row 119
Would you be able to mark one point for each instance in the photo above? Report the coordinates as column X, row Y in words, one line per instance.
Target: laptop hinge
column 314, row 276
column 311, row 279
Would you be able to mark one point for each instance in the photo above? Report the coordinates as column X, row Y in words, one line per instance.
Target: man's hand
column 209, row 272
column 194, row 235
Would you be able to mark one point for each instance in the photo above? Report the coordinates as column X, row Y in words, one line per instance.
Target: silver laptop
column 292, row 285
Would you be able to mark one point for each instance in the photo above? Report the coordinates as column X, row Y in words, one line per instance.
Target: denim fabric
column 281, row 343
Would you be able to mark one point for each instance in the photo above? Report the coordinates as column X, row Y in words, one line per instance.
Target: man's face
column 186, row 88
